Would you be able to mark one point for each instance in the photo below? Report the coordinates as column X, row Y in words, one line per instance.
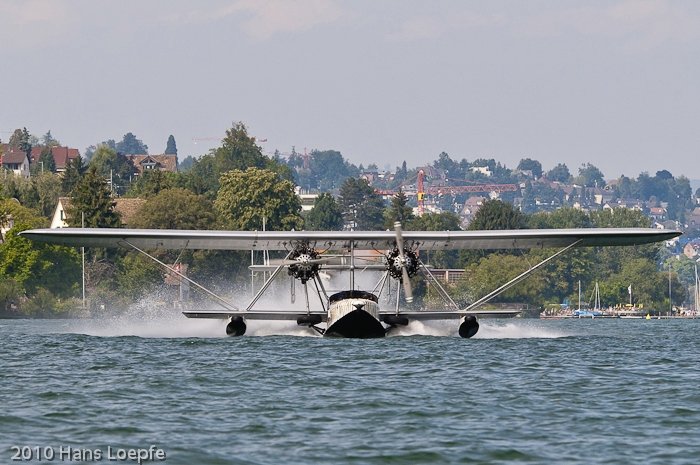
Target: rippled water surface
column 522, row 391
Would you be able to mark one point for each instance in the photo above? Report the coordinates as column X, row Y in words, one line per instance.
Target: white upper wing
column 341, row 240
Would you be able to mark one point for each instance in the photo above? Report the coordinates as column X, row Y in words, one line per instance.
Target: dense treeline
column 237, row 187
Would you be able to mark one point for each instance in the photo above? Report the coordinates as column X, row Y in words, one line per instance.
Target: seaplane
column 351, row 312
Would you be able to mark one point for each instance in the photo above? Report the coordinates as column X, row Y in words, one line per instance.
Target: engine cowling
column 236, row 326
column 468, row 326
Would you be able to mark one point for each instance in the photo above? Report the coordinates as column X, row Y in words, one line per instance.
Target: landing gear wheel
column 309, row 320
column 396, row 320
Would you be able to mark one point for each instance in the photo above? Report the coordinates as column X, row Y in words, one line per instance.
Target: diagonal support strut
column 518, row 278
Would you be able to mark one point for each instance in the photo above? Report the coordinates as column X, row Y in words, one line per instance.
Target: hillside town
column 47, row 184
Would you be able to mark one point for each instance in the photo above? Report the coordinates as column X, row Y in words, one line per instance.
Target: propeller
column 404, row 271
column 306, row 261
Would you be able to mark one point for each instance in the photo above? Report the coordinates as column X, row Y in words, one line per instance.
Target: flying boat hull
column 354, row 314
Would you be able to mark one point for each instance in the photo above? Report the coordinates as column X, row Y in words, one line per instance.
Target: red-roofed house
column 61, row 156
column 165, row 162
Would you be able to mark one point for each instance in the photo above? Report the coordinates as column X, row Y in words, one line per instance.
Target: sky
column 612, row 83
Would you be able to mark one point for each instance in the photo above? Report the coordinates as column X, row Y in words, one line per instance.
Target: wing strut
column 219, row 299
column 518, row 278
column 269, row 281
column 438, row 287
column 318, row 283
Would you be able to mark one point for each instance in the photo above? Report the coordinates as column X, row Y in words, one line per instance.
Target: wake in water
column 150, row 318
column 519, row 329
column 177, row 326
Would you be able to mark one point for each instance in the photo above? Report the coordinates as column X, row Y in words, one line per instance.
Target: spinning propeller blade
column 406, row 281
column 319, row 261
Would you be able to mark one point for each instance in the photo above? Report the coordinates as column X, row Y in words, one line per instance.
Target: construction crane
column 422, row 191
column 306, row 157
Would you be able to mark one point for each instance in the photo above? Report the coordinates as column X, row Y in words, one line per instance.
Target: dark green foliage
column 590, row 176
column 171, row 148
column 445, row 221
column 497, row 215
column 130, row 145
column 113, row 165
column 398, row 211
column 16, row 138
column 46, row 162
column 326, row 214
column 327, row 169
column 75, row 170
column 239, row 151
column 186, row 164
column 362, row 208
column 248, row 198
column 532, row 165
column 559, row 173
column 90, row 151
column 175, row 209
column 204, row 176
column 33, row 265
column 49, row 141
column 150, row 183
column 93, row 198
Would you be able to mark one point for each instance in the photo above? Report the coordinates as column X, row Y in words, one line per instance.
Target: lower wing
column 287, row 315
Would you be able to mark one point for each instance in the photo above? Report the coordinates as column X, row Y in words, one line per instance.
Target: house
column 657, row 213
column 482, row 169
column 693, row 220
column 669, row 224
column 370, row 175
column 471, row 205
column 16, row 161
column 127, row 208
column 61, row 156
column 144, row 162
column 692, row 249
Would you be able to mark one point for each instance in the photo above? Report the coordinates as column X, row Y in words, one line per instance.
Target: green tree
column 205, row 177
column 93, row 198
column 49, row 141
column 497, row 215
column 130, row 145
column 46, row 162
column 48, row 188
column 150, row 183
column 247, row 197
column 134, row 276
column 326, row 214
column 495, row 270
column 11, row 208
column 362, row 208
column 611, row 259
column 175, row 209
column 33, row 265
column 17, row 138
column 590, row 176
column 75, row 170
column 559, row 173
column 171, row 148
column 24, row 190
column 398, row 211
column 114, row 166
column 239, row 151
column 532, row 165
column 445, row 221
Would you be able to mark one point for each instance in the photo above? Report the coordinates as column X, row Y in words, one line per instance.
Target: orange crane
column 421, row 190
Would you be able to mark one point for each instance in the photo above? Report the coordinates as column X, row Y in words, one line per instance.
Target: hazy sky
column 614, row 83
